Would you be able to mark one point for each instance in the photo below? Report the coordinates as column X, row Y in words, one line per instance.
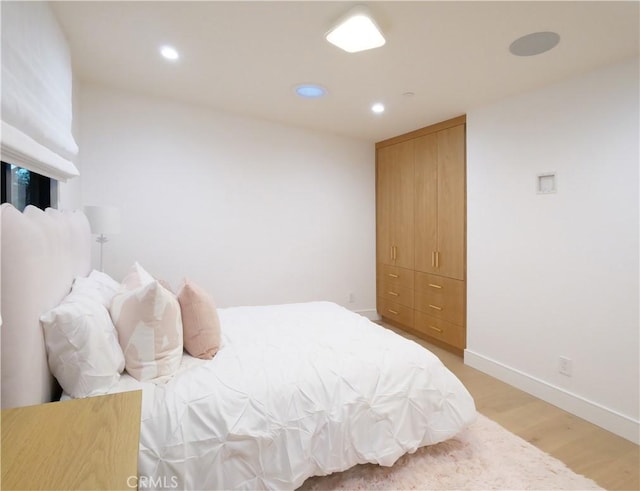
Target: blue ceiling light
column 310, row 91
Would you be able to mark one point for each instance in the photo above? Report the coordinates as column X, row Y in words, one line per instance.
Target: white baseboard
column 593, row 412
column 371, row 314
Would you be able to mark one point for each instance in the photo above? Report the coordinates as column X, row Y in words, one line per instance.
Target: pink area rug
column 484, row 456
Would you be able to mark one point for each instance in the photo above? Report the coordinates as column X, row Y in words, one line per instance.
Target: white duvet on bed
column 295, row 391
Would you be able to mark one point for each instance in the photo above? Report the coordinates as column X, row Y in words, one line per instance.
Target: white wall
column 557, row 275
column 256, row 212
column 69, row 195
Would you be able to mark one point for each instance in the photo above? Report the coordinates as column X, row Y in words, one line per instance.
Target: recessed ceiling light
column 310, row 91
column 378, row 108
column 169, row 52
column 356, row 31
column 534, row 43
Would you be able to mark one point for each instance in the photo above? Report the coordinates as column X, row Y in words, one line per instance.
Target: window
column 22, row 187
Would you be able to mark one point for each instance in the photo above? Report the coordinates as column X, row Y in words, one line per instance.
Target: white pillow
column 98, row 286
column 149, row 328
column 82, row 347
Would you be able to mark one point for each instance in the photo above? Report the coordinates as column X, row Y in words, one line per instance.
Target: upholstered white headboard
column 42, row 252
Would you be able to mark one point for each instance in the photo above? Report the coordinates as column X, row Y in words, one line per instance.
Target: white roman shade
column 36, row 91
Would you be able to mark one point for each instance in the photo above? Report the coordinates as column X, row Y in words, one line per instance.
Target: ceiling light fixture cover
column 356, row 31
column 535, row 43
column 169, row 52
column 378, row 108
column 310, row 91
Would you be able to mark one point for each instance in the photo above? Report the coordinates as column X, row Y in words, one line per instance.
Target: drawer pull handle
column 435, row 307
column 393, row 293
column 393, row 312
column 435, row 286
column 393, row 275
column 437, row 259
column 435, row 329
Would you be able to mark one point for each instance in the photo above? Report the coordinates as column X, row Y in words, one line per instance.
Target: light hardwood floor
column 587, row 449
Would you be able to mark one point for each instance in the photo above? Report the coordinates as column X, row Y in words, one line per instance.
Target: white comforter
column 295, row 391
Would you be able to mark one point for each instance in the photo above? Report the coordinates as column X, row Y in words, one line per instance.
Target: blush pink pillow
column 149, row 328
column 200, row 322
column 136, row 277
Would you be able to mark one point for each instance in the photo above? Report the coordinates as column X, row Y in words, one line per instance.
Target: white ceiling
column 246, row 57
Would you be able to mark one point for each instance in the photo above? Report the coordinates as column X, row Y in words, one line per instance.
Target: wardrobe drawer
column 435, row 283
column 392, row 275
column 440, row 329
column 440, row 297
column 395, row 312
column 395, row 292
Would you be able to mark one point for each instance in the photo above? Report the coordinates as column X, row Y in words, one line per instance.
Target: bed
column 294, row 391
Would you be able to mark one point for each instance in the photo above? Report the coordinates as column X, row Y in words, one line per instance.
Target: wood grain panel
column 451, row 202
column 445, row 293
column 384, row 206
column 87, row 443
column 399, row 276
column 395, row 312
column 440, row 329
column 403, row 195
column 394, row 190
column 447, row 305
column 395, row 292
column 421, row 223
column 443, row 125
column 426, row 202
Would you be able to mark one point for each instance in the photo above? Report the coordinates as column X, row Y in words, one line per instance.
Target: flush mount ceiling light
column 534, row 44
column 356, row 31
column 169, row 53
column 310, row 91
column 378, row 108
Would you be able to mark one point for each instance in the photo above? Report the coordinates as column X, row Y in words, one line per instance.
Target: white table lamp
column 104, row 220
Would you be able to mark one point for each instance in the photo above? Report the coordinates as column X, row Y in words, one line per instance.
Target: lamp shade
column 104, row 220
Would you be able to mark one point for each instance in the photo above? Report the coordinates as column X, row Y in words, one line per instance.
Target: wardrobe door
column 395, row 205
column 450, row 260
column 403, row 199
column 384, row 206
column 426, row 203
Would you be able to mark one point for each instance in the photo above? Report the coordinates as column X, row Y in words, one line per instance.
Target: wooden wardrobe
column 421, row 232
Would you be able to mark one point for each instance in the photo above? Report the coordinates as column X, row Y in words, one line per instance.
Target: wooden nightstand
column 85, row 444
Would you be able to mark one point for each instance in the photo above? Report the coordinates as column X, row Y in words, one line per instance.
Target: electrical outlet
column 352, row 297
column 565, row 367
